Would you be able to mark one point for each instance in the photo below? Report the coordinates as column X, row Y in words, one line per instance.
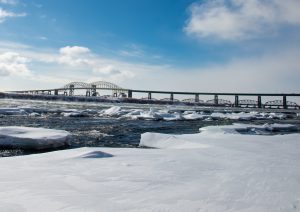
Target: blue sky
column 215, row 45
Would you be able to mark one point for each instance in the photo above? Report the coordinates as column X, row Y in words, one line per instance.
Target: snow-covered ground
column 215, row 170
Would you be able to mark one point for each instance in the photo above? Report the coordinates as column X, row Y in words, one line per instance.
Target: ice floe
column 33, row 138
column 215, row 133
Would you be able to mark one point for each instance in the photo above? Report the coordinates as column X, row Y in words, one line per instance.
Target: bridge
column 95, row 88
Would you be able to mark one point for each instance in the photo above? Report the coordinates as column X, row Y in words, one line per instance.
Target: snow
column 215, row 170
column 33, row 138
column 210, row 134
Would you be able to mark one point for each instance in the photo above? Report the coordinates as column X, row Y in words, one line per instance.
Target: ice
column 34, row 114
column 152, row 114
column 280, row 127
column 235, row 116
column 77, row 114
column 12, row 111
column 216, row 133
column 215, row 170
column 113, row 111
column 194, row 116
column 156, row 113
column 33, row 138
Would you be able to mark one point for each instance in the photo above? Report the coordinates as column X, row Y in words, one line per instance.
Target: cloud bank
column 240, row 19
column 12, row 63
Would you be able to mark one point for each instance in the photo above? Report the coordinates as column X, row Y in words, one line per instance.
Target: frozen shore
column 218, row 169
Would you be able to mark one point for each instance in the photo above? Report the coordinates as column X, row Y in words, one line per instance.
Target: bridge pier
column 259, row 102
column 172, row 97
column 197, row 98
column 216, row 100
column 129, row 93
column 236, row 101
column 149, row 95
column 71, row 91
column 284, row 102
column 94, row 90
column 87, row 93
column 49, row 92
column 56, row 92
column 66, row 93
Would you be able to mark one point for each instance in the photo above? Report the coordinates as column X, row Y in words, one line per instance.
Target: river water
column 107, row 131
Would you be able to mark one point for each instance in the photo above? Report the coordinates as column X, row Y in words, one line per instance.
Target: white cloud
column 12, row 63
column 6, row 14
column 240, row 19
column 82, row 58
column 8, row 1
column 73, row 50
column 76, row 56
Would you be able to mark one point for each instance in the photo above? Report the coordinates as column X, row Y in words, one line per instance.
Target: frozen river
column 121, row 125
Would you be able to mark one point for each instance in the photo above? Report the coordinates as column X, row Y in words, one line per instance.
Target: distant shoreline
column 196, row 106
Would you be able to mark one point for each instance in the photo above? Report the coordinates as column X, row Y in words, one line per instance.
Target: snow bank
column 227, row 133
column 221, row 170
column 33, row 138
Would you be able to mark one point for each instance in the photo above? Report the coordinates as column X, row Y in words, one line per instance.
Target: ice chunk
column 170, row 116
column 113, row 111
column 12, row 111
column 33, row 138
column 194, row 116
column 77, row 114
column 280, row 127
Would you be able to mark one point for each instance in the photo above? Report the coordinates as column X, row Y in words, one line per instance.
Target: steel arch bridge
column 91, row 88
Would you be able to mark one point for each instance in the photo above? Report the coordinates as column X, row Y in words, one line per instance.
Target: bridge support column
column 87, row 93
column 94, row 90
column 236, row 101
column 129, row 93
column 149, row 95
column 216, row 100
column 259, row 102
column 197, row 98
column 284, row 102
column 172, row 97
column 71, row 91
column 49, row 92
column 56, row 92
column 66, row 93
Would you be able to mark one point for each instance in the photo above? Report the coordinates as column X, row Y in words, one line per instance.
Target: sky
column 175, row 45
